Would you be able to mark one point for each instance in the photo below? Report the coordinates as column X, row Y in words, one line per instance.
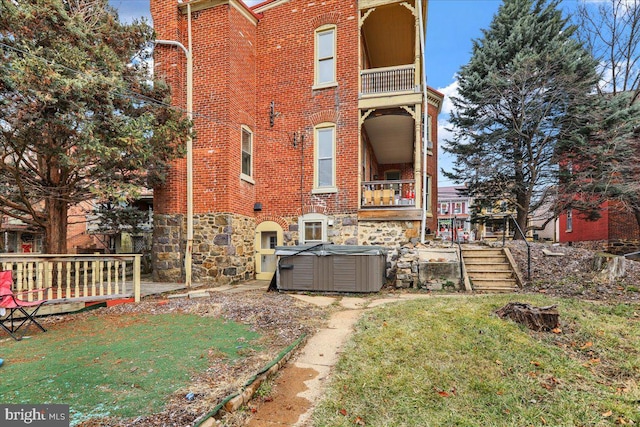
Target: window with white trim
column 569, row 220
column 313, row 228
column 457, row 208
column 325, row 52
column 247, row 152
column 325, row 158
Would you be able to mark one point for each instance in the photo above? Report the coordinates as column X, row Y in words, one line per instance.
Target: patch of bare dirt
column 279, row 318
column 574, row 275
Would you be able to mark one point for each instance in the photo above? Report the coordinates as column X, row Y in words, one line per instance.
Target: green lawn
column 452, row 362
column 123, row 366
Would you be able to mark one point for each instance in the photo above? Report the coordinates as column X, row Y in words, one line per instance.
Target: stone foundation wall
column 621, row 247
column 223, row 248
column 167, row 251
column 617, row 247
column 388, row 233
column 344, row 230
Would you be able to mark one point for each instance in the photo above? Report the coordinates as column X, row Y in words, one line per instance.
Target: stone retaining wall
column 223, row 248
column 406, row 268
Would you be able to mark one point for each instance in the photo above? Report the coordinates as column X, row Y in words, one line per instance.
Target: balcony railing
column 389, row 194
column 69, row 278
column 388, row 80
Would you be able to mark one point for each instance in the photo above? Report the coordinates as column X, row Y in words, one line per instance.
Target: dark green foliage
column 603, row 162
column 78, row 120
column 522, row 92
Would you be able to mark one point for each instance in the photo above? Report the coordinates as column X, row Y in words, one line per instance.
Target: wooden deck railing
column 394, row 193
column 388, row 80
column 69, row 278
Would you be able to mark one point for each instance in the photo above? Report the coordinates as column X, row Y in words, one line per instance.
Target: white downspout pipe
column 425, row 112
column 189, row 57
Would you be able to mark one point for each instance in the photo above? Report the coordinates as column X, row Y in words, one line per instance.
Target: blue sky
column 452, row 25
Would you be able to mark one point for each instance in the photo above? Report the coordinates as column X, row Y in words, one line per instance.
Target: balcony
column 389, row 200
column 387, row 194
column 389, row 80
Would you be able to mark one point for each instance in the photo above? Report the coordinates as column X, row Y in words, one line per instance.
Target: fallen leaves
column 444, row 393
column 359, row 421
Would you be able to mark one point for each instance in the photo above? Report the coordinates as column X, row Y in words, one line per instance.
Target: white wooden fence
column 75, row 278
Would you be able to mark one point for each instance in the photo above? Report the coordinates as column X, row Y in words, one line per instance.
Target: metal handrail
column 525, row 241
column 454, row 231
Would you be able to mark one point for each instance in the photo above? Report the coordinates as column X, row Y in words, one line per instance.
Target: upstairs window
column 247, row 152
column 325, row 64
column 325, row 149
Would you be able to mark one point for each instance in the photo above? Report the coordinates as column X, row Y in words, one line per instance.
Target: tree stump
column 535, row 318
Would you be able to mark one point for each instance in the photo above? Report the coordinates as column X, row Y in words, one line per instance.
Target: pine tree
column 603, row 163
column 524, row 90
column 79, row 117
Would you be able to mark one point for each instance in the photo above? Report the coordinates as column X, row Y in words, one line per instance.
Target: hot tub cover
column 326, row 249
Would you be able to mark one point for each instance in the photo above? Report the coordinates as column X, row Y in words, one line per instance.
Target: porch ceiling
column 389, row 36
column 391, row 137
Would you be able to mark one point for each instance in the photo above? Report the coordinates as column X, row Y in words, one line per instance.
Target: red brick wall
column 285, row 75
column 231, row 90
column 240, row 68
column 622, row 224
column 584, row 230
column 170, row 66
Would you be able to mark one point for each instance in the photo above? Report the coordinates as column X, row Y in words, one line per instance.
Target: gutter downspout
column 188, row 53
column 189, row 249
column 425, row 114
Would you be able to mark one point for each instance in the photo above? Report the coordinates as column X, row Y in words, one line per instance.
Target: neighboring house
column 83, row 232
column 309, row 120
column 454, row 212
column 616, row 230
column 18, row 237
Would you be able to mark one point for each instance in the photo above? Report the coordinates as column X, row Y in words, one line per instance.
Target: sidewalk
column 301, row 383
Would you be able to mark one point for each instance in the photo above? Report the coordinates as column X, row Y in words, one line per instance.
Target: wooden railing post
column 136, row 277
column 75, row 277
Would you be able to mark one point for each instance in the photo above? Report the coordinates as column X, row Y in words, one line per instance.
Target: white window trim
column 316, row 59
column 316, row 188
column 569, row 225
column 243, row 176
column 312, row 217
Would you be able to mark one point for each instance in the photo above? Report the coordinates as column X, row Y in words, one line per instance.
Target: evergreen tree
column 79, row 118
column 524, row 90
column 605, row 159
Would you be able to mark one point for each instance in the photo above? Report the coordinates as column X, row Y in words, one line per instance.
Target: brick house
column 616, row 231
column 454, row 211
column 310, row 121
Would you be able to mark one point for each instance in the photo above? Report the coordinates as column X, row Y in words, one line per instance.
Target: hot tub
column 331, row 268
